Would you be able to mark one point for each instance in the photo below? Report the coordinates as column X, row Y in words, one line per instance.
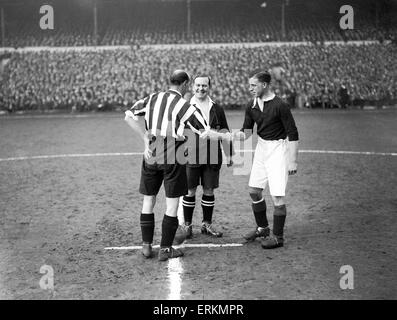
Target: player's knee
column 208, row 191
column 171, row 206
column 255, row 194
column 148, row 204
column 278, row 201
column 192, row 192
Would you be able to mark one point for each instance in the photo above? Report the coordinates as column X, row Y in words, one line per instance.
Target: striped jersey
column 167, row 114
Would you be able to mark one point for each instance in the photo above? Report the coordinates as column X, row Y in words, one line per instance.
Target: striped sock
column 147, row 227
column 259, row 209
column 207, row 203
column 188, row 208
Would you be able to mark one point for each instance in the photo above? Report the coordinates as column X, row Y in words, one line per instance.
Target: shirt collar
column 196, row 102
column 175, row 91
column 269, row 98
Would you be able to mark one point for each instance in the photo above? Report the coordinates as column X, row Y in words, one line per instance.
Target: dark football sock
column 208, row 203
column 168, row 230
column 188, row 208
column 147, row 227
column 259, row 209
column 280, row 213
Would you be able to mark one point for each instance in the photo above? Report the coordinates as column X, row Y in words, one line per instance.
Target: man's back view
column 165, row 115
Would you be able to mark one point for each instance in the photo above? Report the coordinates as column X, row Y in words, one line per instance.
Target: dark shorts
column 173, row 175
column 205, row 175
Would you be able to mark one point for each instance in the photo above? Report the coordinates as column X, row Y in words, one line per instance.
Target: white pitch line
column 368, row 153
column 175, row 271
column 78, row 155
column 186, row 245
column 73, row 155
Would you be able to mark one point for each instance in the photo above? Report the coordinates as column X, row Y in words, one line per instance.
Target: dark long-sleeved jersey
column 273, row 123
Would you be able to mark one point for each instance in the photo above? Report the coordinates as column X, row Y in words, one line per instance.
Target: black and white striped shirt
column 167, row 114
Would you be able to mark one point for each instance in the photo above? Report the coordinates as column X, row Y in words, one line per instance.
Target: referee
column 204, row 165
column 160, row 119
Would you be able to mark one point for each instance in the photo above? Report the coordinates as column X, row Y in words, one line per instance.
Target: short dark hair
column 178, row 77
column 203, row 76
column 262, row 76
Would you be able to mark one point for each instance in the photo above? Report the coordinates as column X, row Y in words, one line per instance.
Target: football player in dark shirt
column 275, row 157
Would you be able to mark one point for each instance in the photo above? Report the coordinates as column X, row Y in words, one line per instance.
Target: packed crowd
column 156, row 22
column 101, row 80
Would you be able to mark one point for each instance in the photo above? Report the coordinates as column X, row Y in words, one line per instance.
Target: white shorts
column 270, row 166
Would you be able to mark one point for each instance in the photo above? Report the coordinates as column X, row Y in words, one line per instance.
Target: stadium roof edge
column 18, row 2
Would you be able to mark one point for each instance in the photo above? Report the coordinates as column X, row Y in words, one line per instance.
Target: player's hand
column 129, row 115
column 292, row 168
column 147, row 153
column 215, row 135
column 205, row 133
column 226, row 136
column 238, row 135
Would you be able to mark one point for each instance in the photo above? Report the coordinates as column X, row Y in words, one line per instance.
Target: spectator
column 108, row 79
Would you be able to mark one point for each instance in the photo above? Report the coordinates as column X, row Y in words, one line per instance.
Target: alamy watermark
column 47, row 281
column 47, row 20
column 347, row 280
column 346, row 22
column 197, row 151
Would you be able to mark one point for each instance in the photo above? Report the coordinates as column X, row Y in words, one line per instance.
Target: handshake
column 227, row 136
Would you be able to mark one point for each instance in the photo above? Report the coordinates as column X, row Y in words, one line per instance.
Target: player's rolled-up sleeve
column 139, row 108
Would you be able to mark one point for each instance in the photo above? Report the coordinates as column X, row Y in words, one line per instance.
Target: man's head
column 179, row 80
column 201, row 86
column 259, row 83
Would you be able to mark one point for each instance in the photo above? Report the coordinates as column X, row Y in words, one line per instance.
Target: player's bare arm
column 216, row 135
column 138, row 125
column 293, row 139
column 293, row 149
